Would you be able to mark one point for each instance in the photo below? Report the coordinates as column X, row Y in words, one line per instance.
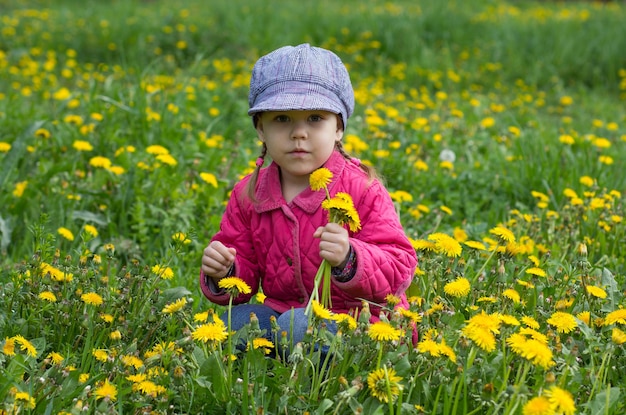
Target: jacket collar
column 270, row 196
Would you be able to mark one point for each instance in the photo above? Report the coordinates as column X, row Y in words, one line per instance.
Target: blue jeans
column 240, row 316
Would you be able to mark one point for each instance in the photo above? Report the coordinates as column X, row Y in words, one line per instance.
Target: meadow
column 498, row 126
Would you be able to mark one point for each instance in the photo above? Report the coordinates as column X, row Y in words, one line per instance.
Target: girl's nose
column 299, row 130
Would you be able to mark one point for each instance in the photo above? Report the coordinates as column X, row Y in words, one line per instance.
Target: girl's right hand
column 217, row 259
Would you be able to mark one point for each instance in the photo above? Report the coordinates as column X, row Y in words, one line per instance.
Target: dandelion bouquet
column 340, row 210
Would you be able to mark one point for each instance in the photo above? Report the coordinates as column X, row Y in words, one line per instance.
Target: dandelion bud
column 582, row 249
column 550, row 377
column 365, row 314
column 254, row 322
column 297, row 355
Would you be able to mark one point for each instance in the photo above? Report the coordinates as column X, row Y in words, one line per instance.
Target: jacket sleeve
column 235, row 232
column 385, row 258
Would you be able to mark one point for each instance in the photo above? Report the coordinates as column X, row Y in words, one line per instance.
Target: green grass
column 528, row 96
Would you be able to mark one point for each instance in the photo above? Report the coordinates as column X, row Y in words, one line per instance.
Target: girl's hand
column 217, row 260
column 334, row 243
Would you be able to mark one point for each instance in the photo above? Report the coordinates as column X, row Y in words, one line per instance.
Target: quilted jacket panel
column 277, row 252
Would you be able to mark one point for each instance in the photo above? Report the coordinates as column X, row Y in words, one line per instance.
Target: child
column 274, row 233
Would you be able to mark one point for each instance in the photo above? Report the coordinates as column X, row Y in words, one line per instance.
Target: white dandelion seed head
column 447, row 155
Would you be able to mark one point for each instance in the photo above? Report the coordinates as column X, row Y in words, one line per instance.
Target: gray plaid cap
column 301, row 77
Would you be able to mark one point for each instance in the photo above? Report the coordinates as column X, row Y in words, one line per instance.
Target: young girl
column 274, row 233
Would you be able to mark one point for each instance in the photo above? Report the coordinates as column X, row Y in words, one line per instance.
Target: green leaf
column 18, row 148
column 612, row 290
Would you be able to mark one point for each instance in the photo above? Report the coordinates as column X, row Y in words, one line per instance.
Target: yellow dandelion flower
column 81, row 145
column 392, row 300
column 411, row 315
column 561, row 400
column 617, row 316
column 175, row 306
column 201, row 317
column 55, row 357
column 564, row 303
column 20, row 187
column 92, row 298
column 447, row 351
column 100, row 355
column 430, row 346
column 504, row 234
column 167, row 159
column 476, row 245
column 458, row 288
column 115, row 335
column 48, row 296
column 106, row 390
column 481, row 329
column 262, row 343
column 108, row 318
column 157, row 150
column 209, row 178
column 162, row 271
column 383, row 331
column 66, row 233
column 384, row 384
column 25, row 399
column 4, row 147
column 618, row 336
column 42, row 133
column 446, row 244
column 341, row 210
column 587, row 181
column 423, row 245
column 9, row 347
column 512, row 295
column 345, row 320
column 100, row 162
column 25, row 345
column 509, row 320
column 91, row 230
column 534, row 334
column 538, row 406
column 234, row 285
column 320, row 311
column 215, row 332
column 536, row 271
column 584, row 316
column 530, row 322
column 595, row 291
column 320, row 179
column 563, row 322
column 130, row 360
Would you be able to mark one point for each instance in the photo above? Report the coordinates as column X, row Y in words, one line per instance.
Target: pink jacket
column 276, row 249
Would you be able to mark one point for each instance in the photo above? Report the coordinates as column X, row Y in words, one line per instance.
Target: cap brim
column 295, row 102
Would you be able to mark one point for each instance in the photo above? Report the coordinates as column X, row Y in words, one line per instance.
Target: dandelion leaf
column 605, row 402
column 18, row 149
column 612, row 291
column 173, row 294
column 5, row 233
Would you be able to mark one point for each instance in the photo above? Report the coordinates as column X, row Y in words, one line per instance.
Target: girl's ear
column 339, row 132
column 339, row 135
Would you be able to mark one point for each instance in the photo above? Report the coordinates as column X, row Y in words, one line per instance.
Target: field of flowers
column 500, row 130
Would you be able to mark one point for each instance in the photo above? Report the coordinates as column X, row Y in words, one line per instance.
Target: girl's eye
column 282, row 118
column 315, row 118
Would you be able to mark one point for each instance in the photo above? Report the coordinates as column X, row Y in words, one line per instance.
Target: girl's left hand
column 334, row 243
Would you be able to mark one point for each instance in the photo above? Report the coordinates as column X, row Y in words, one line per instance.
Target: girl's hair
column 251, row 186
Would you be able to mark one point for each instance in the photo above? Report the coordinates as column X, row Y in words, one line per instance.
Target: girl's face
column 299, row 141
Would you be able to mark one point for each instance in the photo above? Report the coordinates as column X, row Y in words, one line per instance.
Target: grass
column 498, row 127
